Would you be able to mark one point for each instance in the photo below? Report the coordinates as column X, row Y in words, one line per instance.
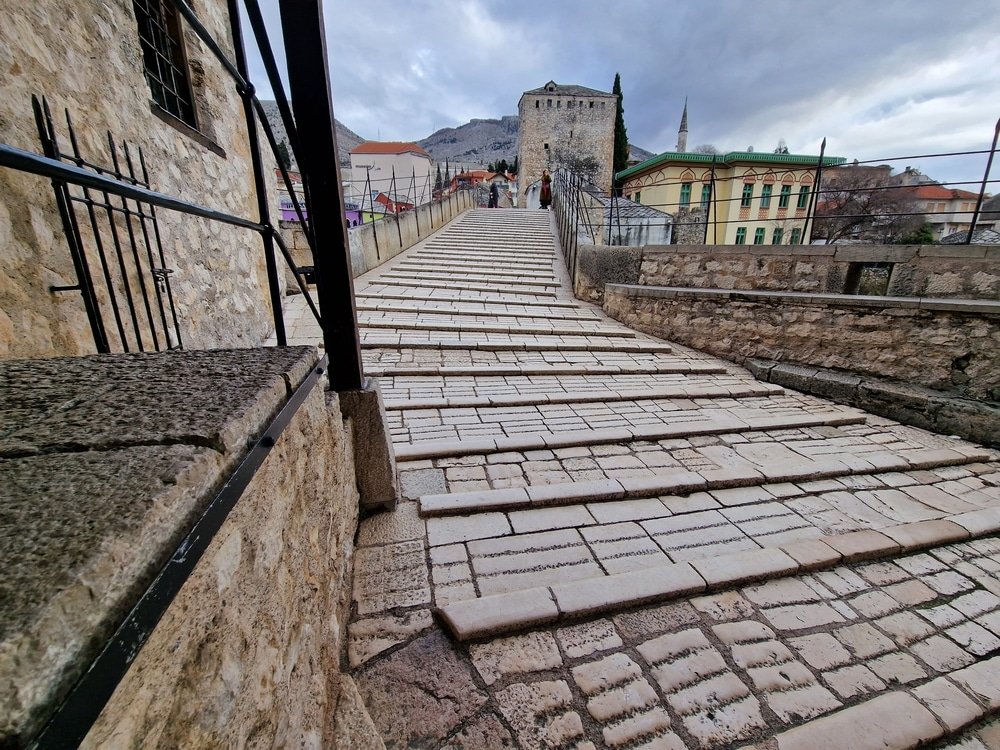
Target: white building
column 393, row 168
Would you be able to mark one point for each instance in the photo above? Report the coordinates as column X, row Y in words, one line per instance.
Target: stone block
column 500, row 613
column 895, row 720
column 923, row 534
column 626, row 589
column 374, row 458
column 741, row 567
column 862, row 545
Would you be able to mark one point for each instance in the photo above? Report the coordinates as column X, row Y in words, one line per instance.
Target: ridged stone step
column 581, row 344
column 424, row 325
column 660, row 431
column 583, row 397
column 525, row 608
column 685, row 482
column 678, row 367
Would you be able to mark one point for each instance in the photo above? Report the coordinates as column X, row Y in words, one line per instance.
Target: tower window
column 163, row 57
column 549, row 103
column 538, row 103
column 591, row 105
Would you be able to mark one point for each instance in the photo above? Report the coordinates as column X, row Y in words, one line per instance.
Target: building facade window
column 796, row 236
column 747, row 196
column 784, row 196
column 765, row 196
column 685, row 194
column 163, row 57
column 549, row 103
column 638, row 197
column 776, row 237
column 741, row 235
column 758, row 236
column 803, row 197
column 538, row 103
column 706, row 195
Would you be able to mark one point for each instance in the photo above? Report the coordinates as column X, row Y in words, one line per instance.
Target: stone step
column 480, row 310
column 419, row 265
column 426, row 325
column 569, row 600
column 421, row 284
column 582, row 397
column 663, row 368
column 548, row 283
column 616, row 435
column 741, row 483
column 470, row 299
column 460, row 258
column 536, row 344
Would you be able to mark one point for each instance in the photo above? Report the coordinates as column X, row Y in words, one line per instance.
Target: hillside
column 478, row 141
column 346, row 138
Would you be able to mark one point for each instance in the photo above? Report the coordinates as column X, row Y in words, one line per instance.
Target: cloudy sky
column 877, row 78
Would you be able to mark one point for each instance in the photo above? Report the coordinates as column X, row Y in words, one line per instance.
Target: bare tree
column 584, row 165
column 706, row 148
column 858, row 203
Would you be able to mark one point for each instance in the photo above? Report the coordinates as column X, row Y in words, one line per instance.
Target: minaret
column 682, row 132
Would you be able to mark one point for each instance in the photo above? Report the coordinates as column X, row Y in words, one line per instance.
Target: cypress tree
column 621, row 136
column 437, row 180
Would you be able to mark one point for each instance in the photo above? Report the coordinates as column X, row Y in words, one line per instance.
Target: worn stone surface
column 374, row 459
column 419, row 694
column 252, row 641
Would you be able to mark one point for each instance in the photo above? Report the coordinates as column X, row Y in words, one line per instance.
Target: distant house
column 947, row 210
column 748, row 197
column 285, row 199
column 391, row 167
column 469, row 179
column 393, row 203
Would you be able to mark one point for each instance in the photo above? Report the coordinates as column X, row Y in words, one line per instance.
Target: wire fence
column 829, row 200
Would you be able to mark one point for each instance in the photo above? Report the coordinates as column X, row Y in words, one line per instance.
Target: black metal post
column 260, row 186
column 982, row 189
column 812, row 198
column 712, row 207
column 312, row 105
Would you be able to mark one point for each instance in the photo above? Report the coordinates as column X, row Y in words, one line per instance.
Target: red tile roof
column 938, row 193
column 389, row 147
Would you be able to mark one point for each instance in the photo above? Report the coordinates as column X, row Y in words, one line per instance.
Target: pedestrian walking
column 494, row 195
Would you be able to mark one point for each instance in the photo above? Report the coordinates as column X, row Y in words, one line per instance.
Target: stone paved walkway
column 611, row 541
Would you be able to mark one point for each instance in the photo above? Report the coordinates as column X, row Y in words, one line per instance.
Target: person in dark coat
column 494, row 195
column 545, row 197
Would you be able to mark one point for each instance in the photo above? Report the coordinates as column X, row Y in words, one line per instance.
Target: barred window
column 163, row 55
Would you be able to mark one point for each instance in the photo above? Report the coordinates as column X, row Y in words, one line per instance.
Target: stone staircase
column 562, row 473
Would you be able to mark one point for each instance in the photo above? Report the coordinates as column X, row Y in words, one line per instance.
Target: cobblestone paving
column 609, row 541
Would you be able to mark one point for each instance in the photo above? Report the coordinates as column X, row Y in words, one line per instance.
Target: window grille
column 163, row 55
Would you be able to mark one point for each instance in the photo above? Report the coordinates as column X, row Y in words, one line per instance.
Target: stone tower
column 682, row 131
column 565, row 125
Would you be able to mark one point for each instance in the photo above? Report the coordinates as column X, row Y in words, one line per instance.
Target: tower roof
column 567, row 89
column 684, row 118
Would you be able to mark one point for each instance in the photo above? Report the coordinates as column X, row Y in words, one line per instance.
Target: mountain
column 478, row 141
column 346, row 138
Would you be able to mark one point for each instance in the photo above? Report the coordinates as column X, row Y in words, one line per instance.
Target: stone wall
column 374, row 244
column 105, row 463
column 96, row 73
column 574, row 133
column 951, row 346
column 939, row 271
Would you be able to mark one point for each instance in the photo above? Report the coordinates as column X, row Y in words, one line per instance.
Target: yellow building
column 750, row 198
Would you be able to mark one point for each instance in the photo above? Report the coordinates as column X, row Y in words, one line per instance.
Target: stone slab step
column 516, row 301
column 678, row 367
column 463, row 259
column 660, row 431
column 518, row 610
column 582, row 397
column 421, row 325
column 745, row 482
column 480, row 310
column 386, row 280
column 374, row 341
column 419, row 265
column 472, row 276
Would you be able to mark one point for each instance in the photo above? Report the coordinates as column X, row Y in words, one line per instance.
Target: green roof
column 729, row 159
